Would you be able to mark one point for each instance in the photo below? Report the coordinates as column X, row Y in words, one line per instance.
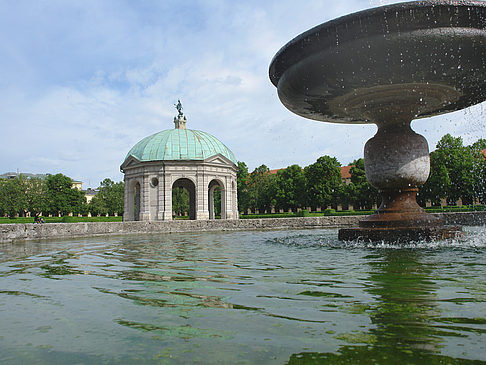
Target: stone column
column 167, row 196
column 229, row 201
column 202, row 197
column 145, row 199
column 128, row 213
column 211, row 203
column 225, row 207
column 236, row 214
column 161, row 197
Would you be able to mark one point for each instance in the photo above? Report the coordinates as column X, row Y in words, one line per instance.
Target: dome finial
column 180, row 120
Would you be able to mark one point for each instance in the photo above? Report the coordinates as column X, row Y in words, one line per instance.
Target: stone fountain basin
column 415, row 59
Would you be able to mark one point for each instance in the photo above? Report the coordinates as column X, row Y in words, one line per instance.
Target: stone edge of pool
column 30, row 231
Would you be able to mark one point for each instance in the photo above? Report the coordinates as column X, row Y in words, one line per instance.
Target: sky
column 82, row 81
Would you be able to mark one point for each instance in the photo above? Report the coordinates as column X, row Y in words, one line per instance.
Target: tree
column 363, row 195
column 456, row 171
column 479, row 145
column 242, row 179
column 62, row 197
column 180, row 201
column 290, row 188
column 217, row 201
column 12, row 197
column 323, row 182
column 478, row 151
column 438, row 184
column 261, row 185
column 36, row 194
column 109, row 199
column 459, row 163
column 97, row 206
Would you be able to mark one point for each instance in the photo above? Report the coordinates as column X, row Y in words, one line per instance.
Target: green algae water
column 259, row 297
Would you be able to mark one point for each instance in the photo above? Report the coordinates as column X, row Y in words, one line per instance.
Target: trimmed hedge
column 302, row 213
column 65, row 219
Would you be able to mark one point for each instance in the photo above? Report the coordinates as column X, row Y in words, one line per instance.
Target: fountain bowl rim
column 280, row 58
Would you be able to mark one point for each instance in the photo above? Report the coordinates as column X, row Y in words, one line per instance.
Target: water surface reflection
column 242, row 297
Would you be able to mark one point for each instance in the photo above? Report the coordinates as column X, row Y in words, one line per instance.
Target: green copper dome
column 179, row 144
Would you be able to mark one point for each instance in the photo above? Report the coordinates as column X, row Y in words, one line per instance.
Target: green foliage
column 65, row 219
column 12, row 197
column 109, row 199
column 323, row 182
column 217, row 202
column 180, row 201
column 36, row 194
column 303, row 213
column 62, row 197
column 361, row 193
column 290, row 188
column 456, row 172
column 261, row 184
column 438, row 183
column 55, row 195
column 269, row 215
column 477, row 150
column 455, row 208
column 243, row 178
column 68, row 219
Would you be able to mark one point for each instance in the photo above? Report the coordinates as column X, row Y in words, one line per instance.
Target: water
column 261, row 297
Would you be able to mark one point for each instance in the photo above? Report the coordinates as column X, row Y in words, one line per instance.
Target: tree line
column 318, row 185
column 56, row 195
column 457, row 171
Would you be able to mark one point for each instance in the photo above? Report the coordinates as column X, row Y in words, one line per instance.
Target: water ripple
column 234, row 297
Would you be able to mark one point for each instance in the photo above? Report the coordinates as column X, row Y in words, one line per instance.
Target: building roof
column 346, row 172
column 28, row 175
column 179, row 144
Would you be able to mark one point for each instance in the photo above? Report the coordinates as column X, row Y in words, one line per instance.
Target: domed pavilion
column 179, row 158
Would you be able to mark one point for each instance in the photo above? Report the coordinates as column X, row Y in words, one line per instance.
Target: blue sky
column 83, row 81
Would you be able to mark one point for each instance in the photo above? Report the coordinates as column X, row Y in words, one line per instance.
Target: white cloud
column 87, row 80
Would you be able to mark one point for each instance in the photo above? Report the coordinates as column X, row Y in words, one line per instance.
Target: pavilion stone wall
column 11, row 232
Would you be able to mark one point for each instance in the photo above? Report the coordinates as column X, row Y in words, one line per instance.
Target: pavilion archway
column 213, row 187
column 188, row 184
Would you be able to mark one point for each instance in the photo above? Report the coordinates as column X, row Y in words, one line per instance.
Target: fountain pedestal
column 397, row 163
column 389, row 66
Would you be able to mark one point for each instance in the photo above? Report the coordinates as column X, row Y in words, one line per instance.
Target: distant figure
column 38, row 219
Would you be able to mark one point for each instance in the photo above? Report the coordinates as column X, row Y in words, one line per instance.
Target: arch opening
column 184, row 198
column 216, row 200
